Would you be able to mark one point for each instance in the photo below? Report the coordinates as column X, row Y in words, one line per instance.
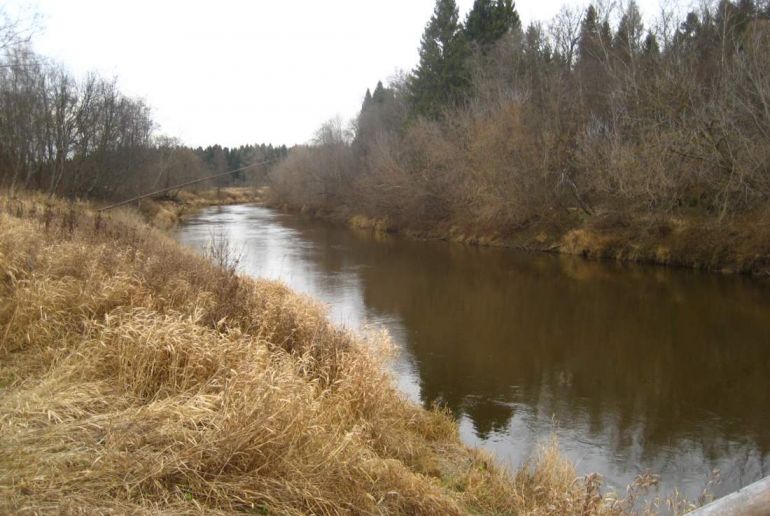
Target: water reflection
column 633, row 368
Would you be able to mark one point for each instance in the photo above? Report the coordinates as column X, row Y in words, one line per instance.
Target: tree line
column 221, row 159
column 592, row 116
column 83, row 137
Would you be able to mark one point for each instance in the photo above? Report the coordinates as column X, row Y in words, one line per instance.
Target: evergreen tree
column 383, row 113
column 441, row 78
column 591, row 67
column 650, row 48
column 489, row 20
column 605, row 39
column 380, row 93
column 650, row 56
column 628, row 38
column 367, row 100
column 588, row 45
column 732, row 19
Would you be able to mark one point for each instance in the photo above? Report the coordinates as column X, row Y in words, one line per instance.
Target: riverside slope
column 139, row 377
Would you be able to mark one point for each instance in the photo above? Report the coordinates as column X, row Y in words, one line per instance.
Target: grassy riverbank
column 738, row 245
column 137, row 376
column 166, row 212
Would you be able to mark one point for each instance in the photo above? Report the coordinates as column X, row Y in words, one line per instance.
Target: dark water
column 633, row 369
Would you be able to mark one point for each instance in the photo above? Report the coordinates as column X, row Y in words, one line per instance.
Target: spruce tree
column 379, row 93
column 441, row 78
column 591, row 67
column 628, row 38
column 650, row 48
column 588, row 44
column 490, row 20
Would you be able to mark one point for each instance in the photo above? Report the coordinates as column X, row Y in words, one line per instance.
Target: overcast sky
column 235, row 72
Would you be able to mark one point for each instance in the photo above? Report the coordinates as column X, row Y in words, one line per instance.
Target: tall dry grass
column 166, row 211
column 137, row 377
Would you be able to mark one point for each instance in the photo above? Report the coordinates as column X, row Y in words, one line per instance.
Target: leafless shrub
column 222, row 252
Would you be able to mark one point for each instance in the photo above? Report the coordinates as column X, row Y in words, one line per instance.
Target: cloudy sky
column 234, row 72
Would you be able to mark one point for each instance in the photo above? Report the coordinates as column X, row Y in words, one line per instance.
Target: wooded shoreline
column 741, row 248
column 592, row 135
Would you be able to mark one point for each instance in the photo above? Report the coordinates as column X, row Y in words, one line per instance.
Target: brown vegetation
column 591, row 136
column 136, row 376
column 166, row 211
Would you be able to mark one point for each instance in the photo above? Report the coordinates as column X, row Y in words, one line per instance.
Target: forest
column 591, row 134
column 84, row 138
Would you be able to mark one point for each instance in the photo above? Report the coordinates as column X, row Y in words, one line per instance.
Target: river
column 633, row 369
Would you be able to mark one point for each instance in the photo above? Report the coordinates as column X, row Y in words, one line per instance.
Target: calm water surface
column 633, row 369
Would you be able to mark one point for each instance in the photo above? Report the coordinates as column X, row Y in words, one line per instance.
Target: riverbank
column 740, row 244
column 166, row 212
column 137, row 376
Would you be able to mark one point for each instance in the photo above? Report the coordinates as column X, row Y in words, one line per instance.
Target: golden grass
column 136, row 377
column 166, row 212
column 737, row 245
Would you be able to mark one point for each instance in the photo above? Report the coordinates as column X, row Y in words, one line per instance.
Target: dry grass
column 738, row 245
column 166, row 212
column 137, row 377
column 229, row 195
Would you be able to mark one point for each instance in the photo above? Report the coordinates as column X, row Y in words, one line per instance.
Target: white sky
column 235, row 72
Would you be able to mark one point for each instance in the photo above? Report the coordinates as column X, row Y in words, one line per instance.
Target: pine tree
column 441, row 78
column 367, row 100
column 490, row 20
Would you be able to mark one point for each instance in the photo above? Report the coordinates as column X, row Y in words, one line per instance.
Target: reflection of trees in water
column 661, row 355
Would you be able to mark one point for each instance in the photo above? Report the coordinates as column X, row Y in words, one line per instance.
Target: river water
column 633, row 369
